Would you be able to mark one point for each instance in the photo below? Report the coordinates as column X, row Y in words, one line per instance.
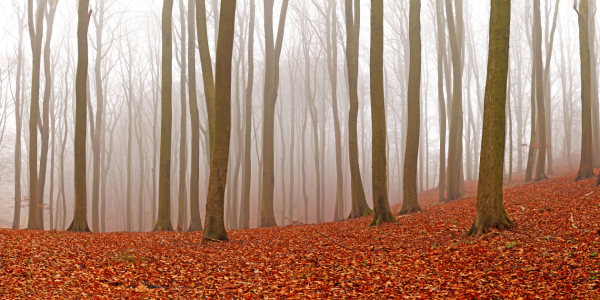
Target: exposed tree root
column 84, row 228
column 482, row 223
column 385, row 216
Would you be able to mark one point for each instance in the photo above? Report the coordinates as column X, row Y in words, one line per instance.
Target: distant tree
column 18, row 120
column 214, row 226
column 163, row 222
column 441, row 51
column 586, row 165
column 490, row 209
column 182, row 193
column 410, row 202
column 381, row 205
column 80, row 216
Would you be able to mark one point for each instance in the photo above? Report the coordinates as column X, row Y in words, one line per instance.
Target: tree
column 455, row 137
column 195, row 221
column 381, row 205
column 441, row 51
column 80, row 216
column 271, row 88
column 540, row 173
column 586, row 164
column 182, row 194
column 359, row 201
column 19, row 122
column 207, row 72
column 490, row 209
column 215, row 211
column 163, row 222
column 410, row 202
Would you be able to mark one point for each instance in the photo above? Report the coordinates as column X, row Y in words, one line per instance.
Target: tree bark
column 540, row 172
column 19, row 122
column 272, row 54
column 381, row 207
column 441, row 50
column 410, row 202
column 163, row 222
column 214, row 221
column 207, row 72
column 586, row 164
column 182, row 194
column 80, row 215
column 359, row 202
column 490, row 209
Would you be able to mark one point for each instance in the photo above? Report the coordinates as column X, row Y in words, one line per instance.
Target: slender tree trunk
column 214, row 220
column 19, row 122
column 304, row 196
column 490, row 208
column 540, row 172
column 381, row 207
column 586, row 164
column 272, row 54
column 182, row 194
column 195, row 220
column 246, row 178
column 163, row 222
column 454, row 147
column 207, row 72
column 80, row 215
column 410, row 202
column 359, row 202
column 441, row 50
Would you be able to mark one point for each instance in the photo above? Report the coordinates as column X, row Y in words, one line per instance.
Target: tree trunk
column 182, row 194
column 80, row 215
column 214, row 220
column 246, row 179
column 540, row 172
column 19, row 122
column 586, row 164
column 455, row 140
column 490, row 208
column 381, row 207
column 207, row 72
column 163, row 222
column 359, row 201
column 195, row 220
column 272, row 54
column 410, row 202
column 594, row 82
column 441, row 50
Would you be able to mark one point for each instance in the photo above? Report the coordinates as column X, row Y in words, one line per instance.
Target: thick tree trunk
column 214, row 220
column 246, row 177
column 381, row 207
column 490, row 208
column 594, row 82
column 80, row 215
column 163, row 222
column 410, row 202
column 586, row 164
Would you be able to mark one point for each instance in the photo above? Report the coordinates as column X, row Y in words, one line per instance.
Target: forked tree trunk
column 410, row 202
column 215, row 211
column 80, row 215
column 359, row 201
column 490, row 208
column 381, row 207
column 163, row 222
column 586, row 164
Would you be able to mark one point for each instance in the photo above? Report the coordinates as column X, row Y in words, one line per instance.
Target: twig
column 348, row 248
column 573, row 222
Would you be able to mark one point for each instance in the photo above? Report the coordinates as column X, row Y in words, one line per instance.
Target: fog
column 126, row 78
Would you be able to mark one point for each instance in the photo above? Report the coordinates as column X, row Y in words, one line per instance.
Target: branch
column 348, row 248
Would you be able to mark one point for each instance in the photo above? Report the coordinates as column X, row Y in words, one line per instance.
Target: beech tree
column 410, row 202
column 18, row 120
column 381, row 207
column 214, row 226
column 490, row 208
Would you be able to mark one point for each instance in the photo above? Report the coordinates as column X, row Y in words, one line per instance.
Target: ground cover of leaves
column 553, row 252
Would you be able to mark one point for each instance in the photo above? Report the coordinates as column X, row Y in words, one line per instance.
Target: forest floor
column 552, row 252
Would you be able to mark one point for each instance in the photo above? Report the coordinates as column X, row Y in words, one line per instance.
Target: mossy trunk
column 490, row 208
column 410, row 201
column 381, row 207
column 163, row 222
column 214, row 226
